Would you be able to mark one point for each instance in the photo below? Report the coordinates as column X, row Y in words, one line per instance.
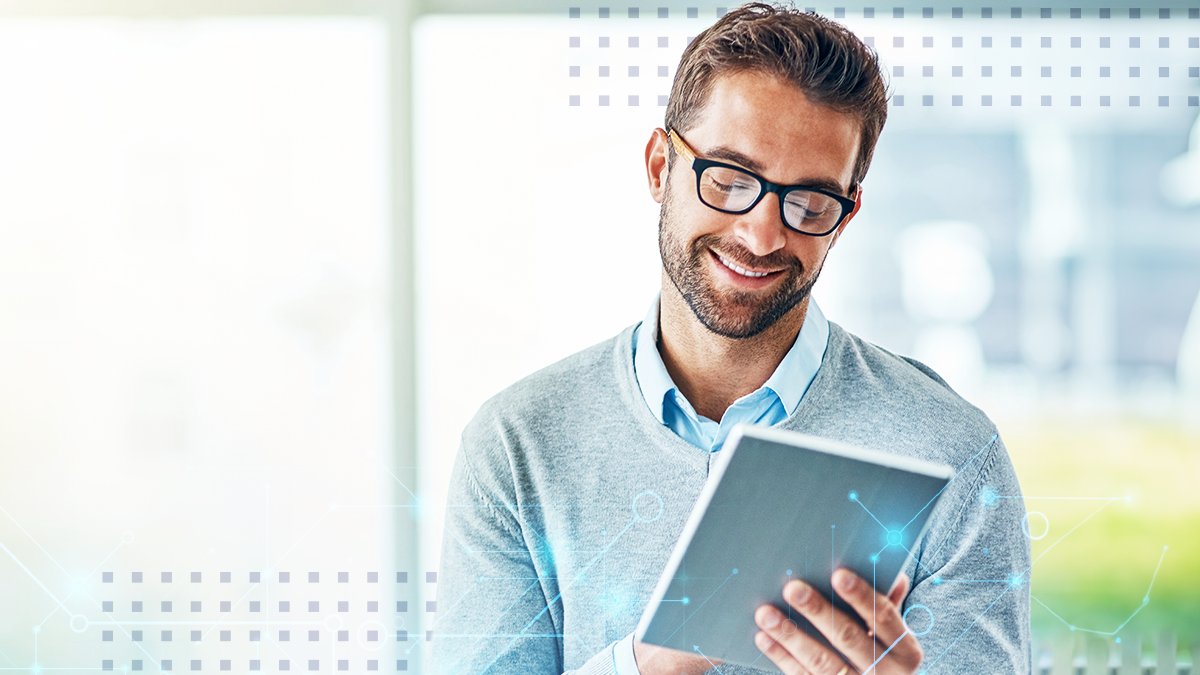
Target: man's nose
column 760, row 230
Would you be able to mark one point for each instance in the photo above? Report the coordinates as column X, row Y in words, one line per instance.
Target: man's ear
column 656, row 164
column 857, row 205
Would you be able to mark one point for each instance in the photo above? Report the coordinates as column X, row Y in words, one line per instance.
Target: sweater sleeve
column 971, row 579
column 498, row 617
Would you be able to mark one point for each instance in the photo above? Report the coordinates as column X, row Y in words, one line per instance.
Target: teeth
column 740, row 270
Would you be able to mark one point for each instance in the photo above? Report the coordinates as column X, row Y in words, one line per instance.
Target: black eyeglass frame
column 699, row 165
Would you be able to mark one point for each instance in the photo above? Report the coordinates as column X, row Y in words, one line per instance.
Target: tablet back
column 779, row 506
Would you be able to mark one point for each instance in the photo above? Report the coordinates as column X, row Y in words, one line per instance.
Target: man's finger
column 881, row 614
column 790, row 649
column 842, row 631
column 899, row 590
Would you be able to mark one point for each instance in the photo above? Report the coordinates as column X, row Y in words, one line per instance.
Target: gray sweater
column 543, row 567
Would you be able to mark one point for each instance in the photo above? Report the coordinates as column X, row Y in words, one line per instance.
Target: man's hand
column 655, row 660
column 797, row 654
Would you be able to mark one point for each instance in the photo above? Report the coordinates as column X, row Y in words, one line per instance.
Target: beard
column 732, row 314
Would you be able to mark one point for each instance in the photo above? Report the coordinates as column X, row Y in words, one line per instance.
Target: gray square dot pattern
column 662, row 71
column 1076, row 42
column 956, row 71
column 1015, row 42
column 927, row 42
column 285, row 577
column 1046, row 42
column 926, row 71
column 956, row 42
column 956, row 13
column 314, row 577
column 985, row 42
column 1135, row 42
column 1164, row 43
column 1105, row 43
column 1076, row 101
column 1045, row 71
column 956, row 100
column 1076, row 71
column 926, row 12
column 195, row 577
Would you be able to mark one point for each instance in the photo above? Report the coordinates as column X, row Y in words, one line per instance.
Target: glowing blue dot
column 789, row 573
column 1072, row 627
column 1145, row 600
column 853, row 496
column 893, row 538
column 685, row 600
column 937, row 581
column 35, row 668
column 735, row 570
column 832, row 526
column 874, row 558
column 1118, row 640
column 985, row 550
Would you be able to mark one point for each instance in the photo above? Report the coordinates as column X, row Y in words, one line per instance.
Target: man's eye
column 735, row 186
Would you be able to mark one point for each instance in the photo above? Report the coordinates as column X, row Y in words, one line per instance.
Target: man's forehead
column 771, row 127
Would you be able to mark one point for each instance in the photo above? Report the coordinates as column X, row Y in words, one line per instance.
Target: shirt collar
column 789, row 381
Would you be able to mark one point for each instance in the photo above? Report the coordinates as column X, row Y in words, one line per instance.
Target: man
column 548, row 561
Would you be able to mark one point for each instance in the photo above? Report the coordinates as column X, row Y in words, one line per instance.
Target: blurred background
column 260, row 263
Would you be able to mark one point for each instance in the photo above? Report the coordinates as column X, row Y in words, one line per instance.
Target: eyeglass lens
column 732, row 190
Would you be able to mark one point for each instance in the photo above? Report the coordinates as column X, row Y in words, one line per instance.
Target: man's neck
column 712, row 371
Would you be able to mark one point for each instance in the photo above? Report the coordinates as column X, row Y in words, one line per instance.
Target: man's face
column 740, row 274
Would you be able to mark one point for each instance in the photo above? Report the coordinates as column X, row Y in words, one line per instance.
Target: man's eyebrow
column 731, row 155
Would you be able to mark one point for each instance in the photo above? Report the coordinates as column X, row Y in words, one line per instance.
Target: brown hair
column 825, row 60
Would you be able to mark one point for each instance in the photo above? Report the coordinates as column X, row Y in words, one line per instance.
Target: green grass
column 1097, row 576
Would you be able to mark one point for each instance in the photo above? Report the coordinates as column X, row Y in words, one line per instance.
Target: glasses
column 731, row 189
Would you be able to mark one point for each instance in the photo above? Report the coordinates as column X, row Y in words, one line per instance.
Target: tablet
column 777, row 506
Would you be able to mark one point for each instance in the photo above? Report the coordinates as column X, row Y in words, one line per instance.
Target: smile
column 740, row 270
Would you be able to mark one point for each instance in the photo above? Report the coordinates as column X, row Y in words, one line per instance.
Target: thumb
column 899, row 590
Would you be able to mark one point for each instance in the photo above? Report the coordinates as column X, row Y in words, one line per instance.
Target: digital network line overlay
column 648, row 506
column 79, row 622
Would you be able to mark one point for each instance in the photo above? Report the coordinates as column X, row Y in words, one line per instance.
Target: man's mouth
column 738, row 268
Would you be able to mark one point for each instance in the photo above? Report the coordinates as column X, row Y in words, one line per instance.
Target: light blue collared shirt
column 770, row 404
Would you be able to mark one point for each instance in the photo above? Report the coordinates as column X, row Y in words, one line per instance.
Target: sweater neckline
column 673, row 445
